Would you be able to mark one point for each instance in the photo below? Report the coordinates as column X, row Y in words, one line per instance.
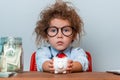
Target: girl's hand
column 69, row 66
column 48, row 66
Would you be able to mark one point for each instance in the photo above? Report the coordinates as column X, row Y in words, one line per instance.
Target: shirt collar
column 54, row 52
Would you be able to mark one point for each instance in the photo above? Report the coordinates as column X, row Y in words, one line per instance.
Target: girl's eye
column 65, row 30
column 53, row 30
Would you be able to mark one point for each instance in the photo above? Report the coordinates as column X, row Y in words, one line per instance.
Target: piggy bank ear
column 61, row 55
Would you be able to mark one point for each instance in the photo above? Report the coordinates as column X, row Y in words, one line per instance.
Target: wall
column 101, row 23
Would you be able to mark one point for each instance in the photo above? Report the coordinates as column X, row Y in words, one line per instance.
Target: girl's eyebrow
column 52, row 26
column 62, row 26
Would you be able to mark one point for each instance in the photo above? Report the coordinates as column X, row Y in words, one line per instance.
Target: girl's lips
column 59, row 42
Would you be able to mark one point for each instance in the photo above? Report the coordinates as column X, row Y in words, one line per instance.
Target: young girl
column 59, row 26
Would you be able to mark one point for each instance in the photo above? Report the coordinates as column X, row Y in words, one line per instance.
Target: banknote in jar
column 3, row 64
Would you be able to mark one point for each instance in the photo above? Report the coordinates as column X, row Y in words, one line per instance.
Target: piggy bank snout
column 60, row 65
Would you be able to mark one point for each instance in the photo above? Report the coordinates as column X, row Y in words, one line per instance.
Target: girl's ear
column 74, row 37
column 46, row 39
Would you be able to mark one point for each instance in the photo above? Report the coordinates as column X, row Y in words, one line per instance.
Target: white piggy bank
column 60, row 64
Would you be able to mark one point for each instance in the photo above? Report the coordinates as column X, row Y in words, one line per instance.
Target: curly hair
column 59, row 10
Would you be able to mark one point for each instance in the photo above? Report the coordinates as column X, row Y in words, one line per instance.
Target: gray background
column 101, row 23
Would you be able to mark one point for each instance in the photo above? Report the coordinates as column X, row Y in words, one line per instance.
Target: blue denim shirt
column 46, row 53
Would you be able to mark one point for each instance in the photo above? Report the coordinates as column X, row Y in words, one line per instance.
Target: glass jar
column 11, row 49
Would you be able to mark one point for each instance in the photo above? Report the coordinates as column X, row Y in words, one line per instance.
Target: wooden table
column 71, row 76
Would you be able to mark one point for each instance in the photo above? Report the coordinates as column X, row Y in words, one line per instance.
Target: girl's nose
column 59, row 35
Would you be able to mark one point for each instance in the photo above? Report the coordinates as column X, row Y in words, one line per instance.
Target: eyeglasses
column 53, row 31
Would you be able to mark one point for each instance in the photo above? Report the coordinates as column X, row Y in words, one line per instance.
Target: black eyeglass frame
column 46, row 30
